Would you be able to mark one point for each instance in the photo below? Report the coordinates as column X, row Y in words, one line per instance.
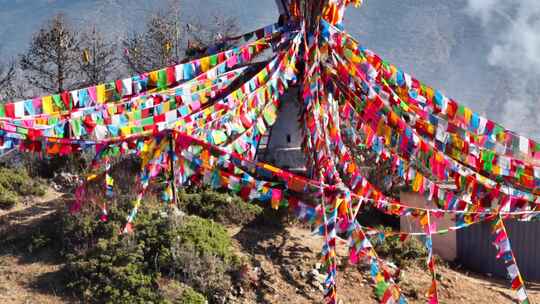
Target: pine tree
column 51, row 62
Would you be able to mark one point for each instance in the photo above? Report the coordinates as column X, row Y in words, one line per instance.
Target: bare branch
column 51, row 62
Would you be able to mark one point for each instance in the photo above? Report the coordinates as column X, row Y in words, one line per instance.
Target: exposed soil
column 283, row 267
column 28, row 275
column 286, row 258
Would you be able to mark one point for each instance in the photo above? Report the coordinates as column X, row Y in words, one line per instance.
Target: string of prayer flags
column 201, row 123
column 428, row 225
column 328, row 253
column 502, row 243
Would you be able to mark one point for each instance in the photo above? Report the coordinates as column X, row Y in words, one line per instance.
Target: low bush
column 107, row 267
column 8, row 199
column 401, row 253
column 114, row 272
column 190, row 296
column 175, row 292
column 38, row 241
column 221, row 207
column 16, row 184
column 202, row 256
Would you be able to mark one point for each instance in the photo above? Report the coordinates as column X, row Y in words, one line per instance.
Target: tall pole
column 172, row 155
column 308, row 11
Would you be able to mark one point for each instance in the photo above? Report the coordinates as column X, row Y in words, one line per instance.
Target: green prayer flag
column 218, row 137
column 213, row 60
column 519, row 172
column 487, row 157
column 76, row 126
column 380, row 289
column 172, row 104
column 270, row 115
column 497, row 130
column 461, row 110
column 22, row 130
column 137, row 115
column 52, row 121
column 162, row 79
column 148, row 121
column 58, row 101
column 136, row 129
column 348, row 53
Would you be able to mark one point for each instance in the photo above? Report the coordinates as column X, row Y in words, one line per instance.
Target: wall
column 284, row 145
column 476, row 251
column 443, row 245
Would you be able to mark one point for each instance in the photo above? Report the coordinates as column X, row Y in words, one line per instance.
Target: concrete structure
column 472, row 246
column 444, row 245
column 283, row 147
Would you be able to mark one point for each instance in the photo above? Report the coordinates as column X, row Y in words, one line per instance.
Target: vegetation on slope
column 15, row 185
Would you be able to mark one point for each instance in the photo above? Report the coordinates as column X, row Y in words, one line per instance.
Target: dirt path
column 26, row 276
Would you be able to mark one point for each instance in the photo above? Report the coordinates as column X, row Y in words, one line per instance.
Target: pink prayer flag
column 276, row 198
column 93, row 93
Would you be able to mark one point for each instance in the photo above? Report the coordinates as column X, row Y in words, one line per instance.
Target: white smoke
column 514, row 26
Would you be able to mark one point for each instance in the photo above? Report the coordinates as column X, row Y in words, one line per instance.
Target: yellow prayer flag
column 47, row 104
column 467, row 113
column 203, row 99
column 111, row 109
column 388, row 135
column 270, row 168
column 417, row 183
column 100, row 93
column 262, row 78
column 125, row 130
column 429, row 93
column 380, row 127
column 153, row 78
column 424, row 220
column 393, row 70
column 205, row 64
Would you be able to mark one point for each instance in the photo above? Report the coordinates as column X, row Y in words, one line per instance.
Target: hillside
column 282, row 265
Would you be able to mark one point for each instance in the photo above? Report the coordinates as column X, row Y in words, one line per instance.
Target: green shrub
column 38, row 241
column 190, row 296
column 14, row 184
column 202, row 256
column 221, row 207
column 206, row 236
column 8, row 198
column 401, row 253
column 107, row 267
column 114, row 272
column 113, row 268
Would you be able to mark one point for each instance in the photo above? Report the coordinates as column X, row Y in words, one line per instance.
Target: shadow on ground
column 30, row 249
column 266, row 237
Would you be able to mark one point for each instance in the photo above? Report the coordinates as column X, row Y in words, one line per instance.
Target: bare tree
column 7, row 73
column 168, row 39
column 51, row 62
column 158, row 46
column 203, row 35
column 98, row 58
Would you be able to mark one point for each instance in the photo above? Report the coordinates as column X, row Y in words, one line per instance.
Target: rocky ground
column 283, row 268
